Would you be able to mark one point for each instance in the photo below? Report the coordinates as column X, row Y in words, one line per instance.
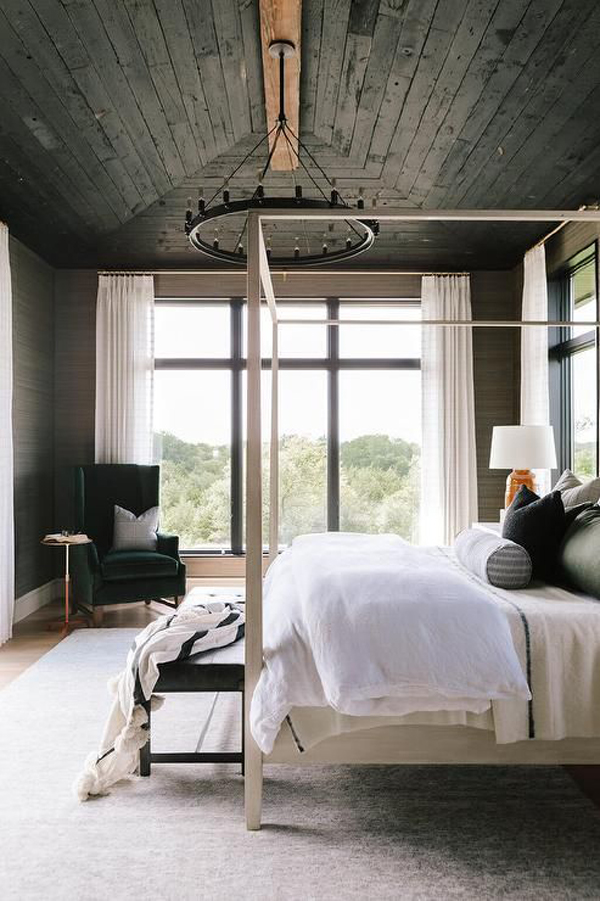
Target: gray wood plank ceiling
column 113, row 112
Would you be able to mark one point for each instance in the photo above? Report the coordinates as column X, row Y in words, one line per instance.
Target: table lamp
column 522, row 448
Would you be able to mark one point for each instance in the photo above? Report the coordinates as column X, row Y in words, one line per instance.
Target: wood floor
column 32, row 639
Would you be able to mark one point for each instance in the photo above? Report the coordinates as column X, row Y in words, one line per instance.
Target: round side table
column 69, row 623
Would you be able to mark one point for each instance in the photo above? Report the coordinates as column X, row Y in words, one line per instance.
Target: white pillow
column 494, row 559
column 135, row 533
column 574, row 491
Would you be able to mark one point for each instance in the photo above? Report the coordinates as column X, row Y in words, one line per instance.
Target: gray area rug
column 329, row 833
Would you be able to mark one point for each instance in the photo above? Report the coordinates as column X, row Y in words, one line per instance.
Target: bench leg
column 145, row 751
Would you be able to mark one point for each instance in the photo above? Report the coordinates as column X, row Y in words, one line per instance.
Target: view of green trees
column 379, row 488
column 584, row 450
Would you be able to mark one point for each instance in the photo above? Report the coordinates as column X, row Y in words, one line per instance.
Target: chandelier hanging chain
column 361, row 232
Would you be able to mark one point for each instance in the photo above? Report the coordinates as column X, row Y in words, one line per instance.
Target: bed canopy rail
column 259, row 282
column 450, row 323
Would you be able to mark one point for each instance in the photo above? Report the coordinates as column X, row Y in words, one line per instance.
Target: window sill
column 217, row 566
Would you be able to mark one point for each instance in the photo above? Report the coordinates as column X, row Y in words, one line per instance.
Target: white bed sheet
column 373, row 626
column 556, row 633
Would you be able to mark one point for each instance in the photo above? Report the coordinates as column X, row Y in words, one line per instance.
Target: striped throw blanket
column 193, row 628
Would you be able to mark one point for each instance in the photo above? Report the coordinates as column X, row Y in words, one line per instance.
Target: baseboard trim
column 36, row 598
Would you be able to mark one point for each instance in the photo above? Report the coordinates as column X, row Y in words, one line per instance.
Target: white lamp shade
column 523, row 447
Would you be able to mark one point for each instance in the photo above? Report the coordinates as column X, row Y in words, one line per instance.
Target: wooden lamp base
column 514, row 481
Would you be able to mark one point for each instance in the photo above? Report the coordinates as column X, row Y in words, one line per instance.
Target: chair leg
column 177, row 601
column 145, row 759
column 97, row 617
column 147, row 603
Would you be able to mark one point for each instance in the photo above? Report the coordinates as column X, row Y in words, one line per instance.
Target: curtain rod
column 282, row 272
column 454, row 323
column 561, row 225
column 543, row 240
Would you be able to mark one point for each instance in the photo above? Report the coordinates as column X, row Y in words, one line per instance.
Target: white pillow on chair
column 135, row 533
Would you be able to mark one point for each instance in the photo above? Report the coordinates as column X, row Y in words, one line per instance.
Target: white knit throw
column 193, row 628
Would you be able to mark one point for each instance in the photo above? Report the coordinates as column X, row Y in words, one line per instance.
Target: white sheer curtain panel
column 448, row 456
column 535, row 397
column 7, row 519
column 124, row 368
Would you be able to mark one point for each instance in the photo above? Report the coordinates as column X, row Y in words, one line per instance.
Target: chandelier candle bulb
column 334, row 192
column 260, row 191
column 361, row 199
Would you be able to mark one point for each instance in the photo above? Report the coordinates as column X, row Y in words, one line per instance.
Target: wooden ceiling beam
column 281, row 20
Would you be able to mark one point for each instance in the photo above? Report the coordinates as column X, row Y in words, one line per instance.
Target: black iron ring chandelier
column 360, row 234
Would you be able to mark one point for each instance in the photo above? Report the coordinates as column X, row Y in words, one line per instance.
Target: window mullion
column 333, row 419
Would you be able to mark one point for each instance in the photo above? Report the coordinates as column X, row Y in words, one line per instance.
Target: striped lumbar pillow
column 493, row 559
column 135, row 533
column 575, row 492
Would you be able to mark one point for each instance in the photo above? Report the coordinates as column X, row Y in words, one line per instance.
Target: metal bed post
column 274, row 453
column 253, row 762
column 267, row 287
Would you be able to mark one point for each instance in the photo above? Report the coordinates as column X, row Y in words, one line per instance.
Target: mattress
column 557, row 636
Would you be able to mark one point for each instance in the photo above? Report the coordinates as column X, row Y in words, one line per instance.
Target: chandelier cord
column 314, row 161
column 306, row 169
column 272, row 151
column 237, row 169
column 323, row 173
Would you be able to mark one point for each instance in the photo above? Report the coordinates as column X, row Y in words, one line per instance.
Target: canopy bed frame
column 387, row 744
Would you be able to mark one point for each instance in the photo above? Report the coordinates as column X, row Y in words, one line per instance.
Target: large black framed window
column 349, row 412
column 575, row 365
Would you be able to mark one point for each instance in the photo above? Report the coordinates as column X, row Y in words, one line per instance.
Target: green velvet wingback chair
column 101, row 576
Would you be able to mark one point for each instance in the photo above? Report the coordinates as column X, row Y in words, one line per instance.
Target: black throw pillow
column 578, row 555
column 537, row 524
column 572, row 513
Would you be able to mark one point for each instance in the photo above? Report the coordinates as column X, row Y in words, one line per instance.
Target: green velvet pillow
column 579, row 553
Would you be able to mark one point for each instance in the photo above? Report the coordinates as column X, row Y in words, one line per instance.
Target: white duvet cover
column 373, row 626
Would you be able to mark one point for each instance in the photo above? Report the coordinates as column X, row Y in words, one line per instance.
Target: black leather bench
column 213, row 671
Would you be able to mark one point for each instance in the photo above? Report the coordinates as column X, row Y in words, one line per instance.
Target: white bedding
column 372, row 626
column 564, row 673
